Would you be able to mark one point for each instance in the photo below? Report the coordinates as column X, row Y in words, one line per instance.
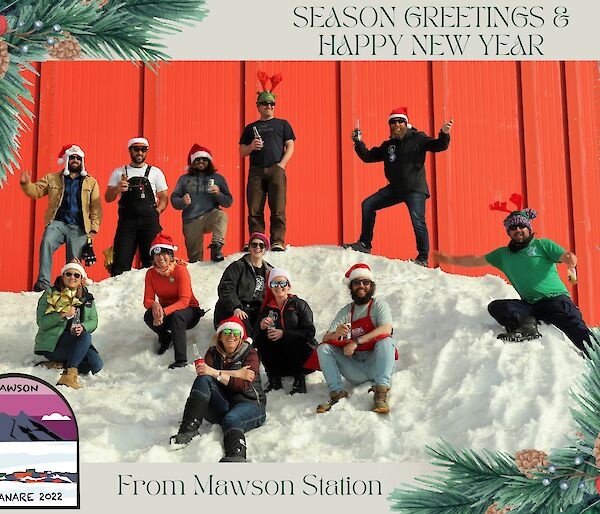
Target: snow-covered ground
column 454, row 379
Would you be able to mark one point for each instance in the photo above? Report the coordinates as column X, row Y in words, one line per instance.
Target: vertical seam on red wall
column 567, row 146
column 434, row 210
column 521, row 121
column 338, row 86
column 142, row 98
column 34, row 165
column 243, row 202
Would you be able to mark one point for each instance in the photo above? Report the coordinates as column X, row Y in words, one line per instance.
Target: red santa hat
column 234, row 323
column 66, row 152
column 162, row 242
column 199, row 151
column 275, row 272
column 360, row 270
column 141, row 141
column 400, row 112
column 77, row 267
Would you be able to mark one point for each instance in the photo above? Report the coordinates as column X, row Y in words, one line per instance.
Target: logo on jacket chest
column 392, row 153
column 532, row 251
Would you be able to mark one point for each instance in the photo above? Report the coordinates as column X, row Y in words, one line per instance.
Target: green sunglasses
column 228, row 331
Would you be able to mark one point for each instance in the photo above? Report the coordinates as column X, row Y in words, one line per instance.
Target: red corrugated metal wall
column 530, row 127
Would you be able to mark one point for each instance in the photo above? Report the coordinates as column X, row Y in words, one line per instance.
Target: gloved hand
column 356, row 135
column 87, row 253
column 108, row 258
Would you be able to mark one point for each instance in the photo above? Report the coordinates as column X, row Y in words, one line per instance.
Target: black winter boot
column 274, row 383
column 234, row 443
column 216, row 254
column 299, row 385
column 165, row 339
column 193, row 413
column 526, row 330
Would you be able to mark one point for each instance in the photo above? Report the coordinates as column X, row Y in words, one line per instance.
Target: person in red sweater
column 227, row 391
column 176, row 309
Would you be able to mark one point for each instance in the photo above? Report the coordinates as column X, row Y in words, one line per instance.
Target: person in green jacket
column 66, row 318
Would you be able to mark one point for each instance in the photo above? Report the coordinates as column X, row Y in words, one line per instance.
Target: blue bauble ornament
column 546, row 481
column 578, row 461
column 56, row 28
column 38, row 25
column 50, row 41
column 563, row 484
column 552, row 468
column 21, row 24
column 24, row 49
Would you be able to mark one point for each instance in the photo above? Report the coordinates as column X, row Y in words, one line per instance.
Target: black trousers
column 134, row 230
column 177, row 323
column 283, row 358
column 559, row 311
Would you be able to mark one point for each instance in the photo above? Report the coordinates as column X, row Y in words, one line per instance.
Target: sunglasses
column 69, row 274
column 202, row 159
column 396, row 121
column 139, row 148
column 75, row 157
column 265, row 104
column 282, row 283
column 361, row 281
column 517, row 226
column 229, row 331
column 258, row 245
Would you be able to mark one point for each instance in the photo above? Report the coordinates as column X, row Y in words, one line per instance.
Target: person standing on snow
column 404, row 166
column 530, row 265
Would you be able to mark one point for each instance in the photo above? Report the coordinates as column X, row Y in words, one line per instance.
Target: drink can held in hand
column 211, row 183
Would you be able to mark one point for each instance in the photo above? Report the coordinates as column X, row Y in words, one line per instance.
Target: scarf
column 168, row 271
column 514, row 247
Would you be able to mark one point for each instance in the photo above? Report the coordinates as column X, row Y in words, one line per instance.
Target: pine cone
column 66, row 49
column 493, row 509
column 4, row 58
column 530, row 460
column 597, row 450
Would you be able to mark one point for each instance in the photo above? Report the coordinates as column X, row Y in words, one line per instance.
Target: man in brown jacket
column 74, row 211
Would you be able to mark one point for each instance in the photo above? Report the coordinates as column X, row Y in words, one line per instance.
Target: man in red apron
column 358, row 345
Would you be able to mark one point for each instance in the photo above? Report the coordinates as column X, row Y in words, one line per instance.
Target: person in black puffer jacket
column 285, row 333
column 227, row 391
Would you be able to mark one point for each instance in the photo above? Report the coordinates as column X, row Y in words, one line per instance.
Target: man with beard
column 138, row 185
column 200, row 194
column 404, row 166
column 74, row 211
column 358, row 344
column 530, row 265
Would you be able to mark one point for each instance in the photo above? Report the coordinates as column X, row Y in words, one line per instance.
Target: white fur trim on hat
column 162, row 245
column 73, row 150
column 140, row 140
column 232, row 325
column 76, row 266
column 358, row 271
column 201, row 153
column 279, row 272
column 403, row 116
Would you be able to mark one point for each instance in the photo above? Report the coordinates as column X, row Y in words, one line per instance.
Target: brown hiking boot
column 69, row 378
column 380, row 402
column 51, row 364
column 335, row 396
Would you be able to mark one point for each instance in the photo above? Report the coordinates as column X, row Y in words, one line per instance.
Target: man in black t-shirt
column 269, row 142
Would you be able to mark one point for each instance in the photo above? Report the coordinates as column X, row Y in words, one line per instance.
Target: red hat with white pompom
column 66, row 152
column 198, row 151
column 360, row 270
column 234, row 323
column 400, row 112
column 162, row 242
column 78, row 267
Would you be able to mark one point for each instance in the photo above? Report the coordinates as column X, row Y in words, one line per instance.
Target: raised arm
column 468, row 261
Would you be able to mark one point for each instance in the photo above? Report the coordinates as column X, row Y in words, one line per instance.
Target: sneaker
column 335, row 396
column 420, row 262
column 178, row 364
column 277, row 247
column 38, row 287
column 359, row 246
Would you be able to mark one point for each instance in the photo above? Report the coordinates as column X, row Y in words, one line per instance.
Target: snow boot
column 193, row 413
column 51, row 364
column 335, row 396
column 234, row 443
column 380, row 401
column 359, row 246
column 164, row 341
column 299, row 385
column 420, row 262
column 216, row 254
column 277, row 247
column 178, row 364
column 69, row 378
column 274, row 383
column 525, row 331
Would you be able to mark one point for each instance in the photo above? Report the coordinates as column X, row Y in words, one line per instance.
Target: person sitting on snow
column 530, row 265
column 358, row 344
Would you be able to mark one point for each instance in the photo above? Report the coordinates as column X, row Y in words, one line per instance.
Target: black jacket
column 237, row 286
column 404, row 159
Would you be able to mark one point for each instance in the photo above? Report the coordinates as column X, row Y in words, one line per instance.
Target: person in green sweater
column 530, row 265
column 66, row 318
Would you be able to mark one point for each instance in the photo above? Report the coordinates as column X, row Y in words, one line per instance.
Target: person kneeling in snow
column 66, row 317
column 358, row 344
column 227, row 391
column 530, row 265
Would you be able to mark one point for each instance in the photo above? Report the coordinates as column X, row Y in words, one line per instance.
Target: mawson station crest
column 39, row 446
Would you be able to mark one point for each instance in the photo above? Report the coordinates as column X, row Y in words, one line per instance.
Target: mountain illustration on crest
column 22, row 428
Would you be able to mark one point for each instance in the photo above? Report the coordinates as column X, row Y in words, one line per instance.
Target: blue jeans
column 76, row 352
column 56, row 234
column 244, row 416
column 386, row 197
column 375, row 366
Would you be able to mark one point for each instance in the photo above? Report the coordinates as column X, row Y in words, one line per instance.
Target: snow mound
column 454, row 379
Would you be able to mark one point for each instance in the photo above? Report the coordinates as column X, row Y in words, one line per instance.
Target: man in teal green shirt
column 530, row 265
